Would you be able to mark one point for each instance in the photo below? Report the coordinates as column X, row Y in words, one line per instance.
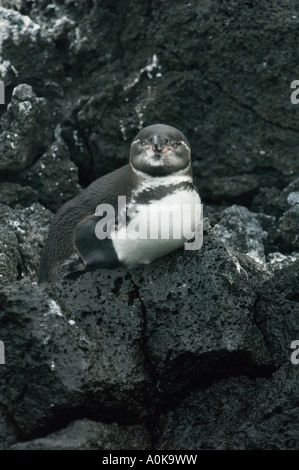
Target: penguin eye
column 143, row 143
column 175, row 145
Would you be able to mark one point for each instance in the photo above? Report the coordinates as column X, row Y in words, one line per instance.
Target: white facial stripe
column 135, row 141
column 185, row 145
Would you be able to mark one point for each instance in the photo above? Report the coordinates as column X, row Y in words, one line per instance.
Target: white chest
column 158, row 228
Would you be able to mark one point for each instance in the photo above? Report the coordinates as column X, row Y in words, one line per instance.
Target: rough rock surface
column 241, row 230
column 46, row 177
column 25, row 130
column 23, row 232
column 237, row 414
column 193, row 351
column 89, row 435
column 203, row 318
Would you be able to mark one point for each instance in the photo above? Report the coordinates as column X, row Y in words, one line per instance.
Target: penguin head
column 160, row 150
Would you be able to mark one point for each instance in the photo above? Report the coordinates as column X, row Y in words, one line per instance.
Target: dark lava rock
column 54, row 176
column 273, row 201
column 23, row 233
column 277, row 311
column 279, row 261
column 268, row 200
column 241, row 231
column 25, row 130
column 199, row 310
column 89, row 435
column 237, row 414
column 288, row 225
column 79, row 356
column 10, row 259
column 27, row 53
column 7, row 435
column 248, row 413
column 14, row 194
column 290, row 194
column 233, row 187
column 288, row 222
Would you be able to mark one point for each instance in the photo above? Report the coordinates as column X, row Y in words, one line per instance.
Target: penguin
column 87, row 235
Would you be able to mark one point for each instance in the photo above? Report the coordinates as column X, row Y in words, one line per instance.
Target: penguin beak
column 158, row 143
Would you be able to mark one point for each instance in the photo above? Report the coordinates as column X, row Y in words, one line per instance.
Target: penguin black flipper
column 60, row 258
column 95, row 253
